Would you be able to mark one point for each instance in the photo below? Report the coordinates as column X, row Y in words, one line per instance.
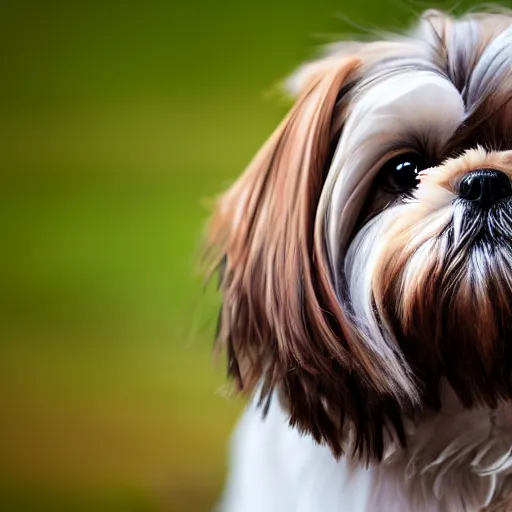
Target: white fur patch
column 458, row 460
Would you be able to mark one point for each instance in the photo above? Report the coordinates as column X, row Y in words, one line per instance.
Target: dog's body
column 456, row 461
column 365, row 259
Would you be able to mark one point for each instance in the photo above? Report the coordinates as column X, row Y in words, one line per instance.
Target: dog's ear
column 332, row 56
column 281, row 322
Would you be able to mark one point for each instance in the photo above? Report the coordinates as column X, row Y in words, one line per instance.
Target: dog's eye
column 400, row 174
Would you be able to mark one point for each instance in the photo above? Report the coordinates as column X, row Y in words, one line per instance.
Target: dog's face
column 366, row 253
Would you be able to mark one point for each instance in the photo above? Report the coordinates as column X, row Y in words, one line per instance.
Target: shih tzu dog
column 365, row 261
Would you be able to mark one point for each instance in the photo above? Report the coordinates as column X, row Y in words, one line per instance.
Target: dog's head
column 365, row 255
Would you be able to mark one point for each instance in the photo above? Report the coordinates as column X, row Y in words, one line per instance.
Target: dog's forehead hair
column 473, row 53
column 460, row 46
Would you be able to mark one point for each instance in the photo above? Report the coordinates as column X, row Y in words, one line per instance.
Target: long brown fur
column 281, row 322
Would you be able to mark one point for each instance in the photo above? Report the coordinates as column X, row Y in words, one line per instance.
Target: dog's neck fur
column 456, row 460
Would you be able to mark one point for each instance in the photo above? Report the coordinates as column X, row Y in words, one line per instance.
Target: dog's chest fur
column 456, row 461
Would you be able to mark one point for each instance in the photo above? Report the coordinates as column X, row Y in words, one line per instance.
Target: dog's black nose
column 485, row 187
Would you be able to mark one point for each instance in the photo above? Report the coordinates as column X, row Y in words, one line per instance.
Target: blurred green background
column 116, row 121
